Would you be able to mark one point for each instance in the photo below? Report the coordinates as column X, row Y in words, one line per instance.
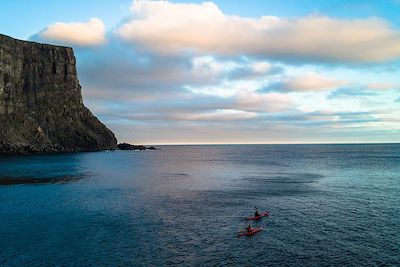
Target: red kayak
column 252, row 232
column 255, row 218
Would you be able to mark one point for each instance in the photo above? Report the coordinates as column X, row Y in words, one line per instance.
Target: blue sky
column 177, row 72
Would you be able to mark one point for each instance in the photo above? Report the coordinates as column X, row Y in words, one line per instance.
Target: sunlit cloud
column 308, row 82
column 217, row 115
column 89, row 33
column 382, row 86
column 171, row 28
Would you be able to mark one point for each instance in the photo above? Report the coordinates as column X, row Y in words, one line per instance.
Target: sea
column 330, row 205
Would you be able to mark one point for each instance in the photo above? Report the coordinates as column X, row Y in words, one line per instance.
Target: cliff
column 41, row 107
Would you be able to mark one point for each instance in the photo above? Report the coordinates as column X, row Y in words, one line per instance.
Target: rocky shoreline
column 126, row 146
column 7, row 149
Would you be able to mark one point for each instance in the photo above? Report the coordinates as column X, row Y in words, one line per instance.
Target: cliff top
column 5, row 39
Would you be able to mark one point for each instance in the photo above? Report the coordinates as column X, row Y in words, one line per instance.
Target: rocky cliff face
column 41, row 108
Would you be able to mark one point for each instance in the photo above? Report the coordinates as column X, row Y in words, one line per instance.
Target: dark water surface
column 184, row 205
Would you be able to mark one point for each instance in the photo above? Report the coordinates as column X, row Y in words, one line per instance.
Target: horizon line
column 278, row 143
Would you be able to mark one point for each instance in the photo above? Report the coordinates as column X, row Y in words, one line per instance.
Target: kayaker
column 256, row 213
column 249, row 228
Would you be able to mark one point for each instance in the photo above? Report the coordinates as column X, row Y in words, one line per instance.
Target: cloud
column 306, row 82
column 196, row 74
column 351, row 92
column 212, row 69
column 265, row 128
column 124, row 86
column 382, row 86
column 89, row 33
column 115, row 71
column 321, row 118
column 255, row 70
column 314, row 82
column 217, row 115
column 196, row 107
column 254, row 102
column 362, row 90
column 172, row 28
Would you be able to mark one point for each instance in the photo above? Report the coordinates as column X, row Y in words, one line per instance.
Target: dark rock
column 125, row 146
column 31, row 180
column 41, row 107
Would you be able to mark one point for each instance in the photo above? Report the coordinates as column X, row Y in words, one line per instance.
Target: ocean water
column 184, row 206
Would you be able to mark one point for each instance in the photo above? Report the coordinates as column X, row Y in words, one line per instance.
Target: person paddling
column 256, row 213
column 249, row 229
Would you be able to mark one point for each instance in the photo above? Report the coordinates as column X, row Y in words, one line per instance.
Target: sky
column 228, row 72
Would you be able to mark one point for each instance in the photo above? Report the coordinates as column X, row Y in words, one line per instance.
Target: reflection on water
column 31, row 180
column 41, row 169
